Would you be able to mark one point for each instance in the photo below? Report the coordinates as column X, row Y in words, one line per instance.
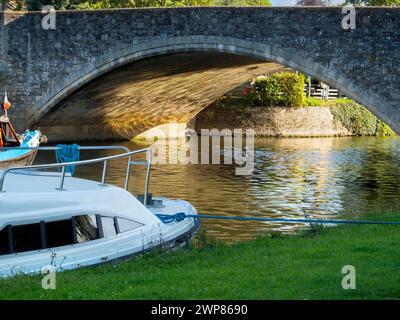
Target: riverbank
column 303, row 266
column 335, row 118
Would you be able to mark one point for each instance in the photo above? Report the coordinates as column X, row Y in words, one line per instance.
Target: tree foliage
column 100, row 4
column 33, row 5
column 312, row 3
column 384, row 2
column 226, row 3
column 374, row 3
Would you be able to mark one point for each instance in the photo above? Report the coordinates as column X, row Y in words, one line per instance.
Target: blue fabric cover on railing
column 67, row 153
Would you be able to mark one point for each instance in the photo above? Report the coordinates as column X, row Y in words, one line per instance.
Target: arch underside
column 141, row 95
column 128, row 94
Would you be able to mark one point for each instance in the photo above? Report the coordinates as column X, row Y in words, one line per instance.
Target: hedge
column 358, row 120
column 284, row 89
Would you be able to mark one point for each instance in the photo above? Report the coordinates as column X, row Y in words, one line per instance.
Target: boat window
column 52, row 234
column 86, row 228
column 109, row 229
column 127, row 225
column 59, row 233
column 26, row 237
column 4, row 245
column 14, row 239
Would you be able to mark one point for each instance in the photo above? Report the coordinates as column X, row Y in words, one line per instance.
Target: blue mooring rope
column 165, row 218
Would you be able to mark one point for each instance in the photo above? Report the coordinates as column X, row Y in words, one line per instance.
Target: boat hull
column 19, row 157
column 77, row 256
column 21, row 161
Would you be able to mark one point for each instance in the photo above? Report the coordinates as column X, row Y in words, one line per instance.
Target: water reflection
column 321, row 177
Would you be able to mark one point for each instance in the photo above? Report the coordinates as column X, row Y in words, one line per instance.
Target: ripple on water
column 321, row 177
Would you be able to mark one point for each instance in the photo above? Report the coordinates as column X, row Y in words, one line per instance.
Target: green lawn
column 306, row 266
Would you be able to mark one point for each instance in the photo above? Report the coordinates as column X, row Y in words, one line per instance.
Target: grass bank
column 305, row 266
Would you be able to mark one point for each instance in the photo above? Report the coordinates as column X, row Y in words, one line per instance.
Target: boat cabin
column 8, row 136
column 52, row 234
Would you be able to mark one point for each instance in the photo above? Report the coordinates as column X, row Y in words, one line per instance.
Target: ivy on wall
column 358, row 120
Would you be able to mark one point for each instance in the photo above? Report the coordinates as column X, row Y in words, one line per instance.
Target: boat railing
column 54, row 148
column 105, row 160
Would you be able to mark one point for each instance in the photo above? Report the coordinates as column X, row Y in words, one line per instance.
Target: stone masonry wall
column 41, row 67
column 273, row 121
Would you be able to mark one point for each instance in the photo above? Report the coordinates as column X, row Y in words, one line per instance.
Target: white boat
column 54, row 220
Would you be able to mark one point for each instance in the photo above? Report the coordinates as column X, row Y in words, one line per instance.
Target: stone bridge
column 117, row 73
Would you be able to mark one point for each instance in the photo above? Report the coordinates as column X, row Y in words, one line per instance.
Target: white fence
column 322, row 92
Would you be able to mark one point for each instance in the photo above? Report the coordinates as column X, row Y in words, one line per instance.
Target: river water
column 320, row 177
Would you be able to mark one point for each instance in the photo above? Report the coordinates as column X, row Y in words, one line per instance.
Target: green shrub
column 313, row 102
column 383, row 130
column 340, row 101
column 358, row 120
column 282, row 89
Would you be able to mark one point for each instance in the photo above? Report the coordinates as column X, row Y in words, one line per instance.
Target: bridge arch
column 159, row 47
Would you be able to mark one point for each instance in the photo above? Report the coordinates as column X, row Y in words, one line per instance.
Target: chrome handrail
column 59, row 148
column 105, row 160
